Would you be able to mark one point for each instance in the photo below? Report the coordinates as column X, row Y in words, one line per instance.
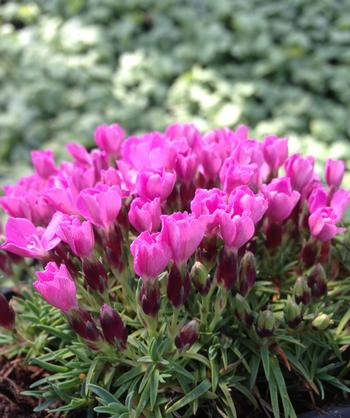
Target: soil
column 15, row 377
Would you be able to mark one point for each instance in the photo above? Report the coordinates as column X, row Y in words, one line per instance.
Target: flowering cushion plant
column 189, row 271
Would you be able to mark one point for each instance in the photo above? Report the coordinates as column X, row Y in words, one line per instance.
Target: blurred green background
column 279, row 66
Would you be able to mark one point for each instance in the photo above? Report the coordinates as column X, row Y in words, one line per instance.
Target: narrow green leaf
column 197, row 392
column 254, row 367
column 55, row 368
column 106, row 396
column 265, row 357
column 154, row 388
column 229, row 400
column 274, row 398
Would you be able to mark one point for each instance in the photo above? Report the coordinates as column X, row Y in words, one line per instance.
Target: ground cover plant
column 178, row 273
column 282, row 69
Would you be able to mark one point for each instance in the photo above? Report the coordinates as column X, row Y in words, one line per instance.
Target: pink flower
column 154, row 183
column 186, row 166
column 318, row 198
column 26, row 240
column 322, row 224
column 185, row 131
column 109, row 138
column 79, row 153
column 300, row 170
column 233, row 174
column 144, row 215
column 151, row 255
column 100, row 205
column 78, row 235
column 275, row 151
column 339, row 202
column 57, row 287
column 205, row 204
column 242, row 199
column 281, row 198
column 183, row 233
column 44, row 163
column 151, row 150
column 235, row 230
column 334, row 172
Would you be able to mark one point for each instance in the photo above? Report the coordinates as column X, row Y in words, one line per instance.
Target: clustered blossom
column 185, row 201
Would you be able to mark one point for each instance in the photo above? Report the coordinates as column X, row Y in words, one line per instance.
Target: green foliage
column 70, row 65
column 229, row 369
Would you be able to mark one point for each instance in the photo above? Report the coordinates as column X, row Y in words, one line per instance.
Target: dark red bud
column 150, row 297
column 177, row 287
column 274, row 234
column 317, row 281
column 94, row 274
column 227, row 269
column 83, row 324
column 247, row 274
column 7, row 314
column 309, row 253
column 187, row 336
column 113, row 327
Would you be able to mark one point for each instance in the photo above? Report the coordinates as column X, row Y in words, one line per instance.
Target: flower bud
column 274, row 234
column 292, row 313
column 321, row 322
column 226, row 271
column 317, row 281
column 242, row 310
column 7, row 314
column 200, row 278
column 265, row 324
column 247, row 274
column 302, row 292
column 206, row 252
column 95, row 274
column 113, row 328
column 187, row 336
column 150, row 297
column 83, row 324
column 309, row 253
column 177, row 287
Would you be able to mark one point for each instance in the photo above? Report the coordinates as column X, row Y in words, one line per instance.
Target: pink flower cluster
column 172, row 193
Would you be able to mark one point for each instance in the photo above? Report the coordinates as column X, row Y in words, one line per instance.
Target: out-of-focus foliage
column 67, row 66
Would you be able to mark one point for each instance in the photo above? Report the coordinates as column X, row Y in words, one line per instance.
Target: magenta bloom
column 151, row 255
column 186, row 166
column 26, row 240
column 235, row 230
column 243, row 200
column 44, row 163
column 233, row 174
column 79, row 153
column 281, row 198
column 109, row 138
column 185, row 131
column 183, row 233
column 340, row 201
column 334, row 172
column 318, row 198
column 78, row 235
column 154, row 183
column 100, row 205
column 275, row 151
column 205, row 204
column 322, row 224
column 144, row 215
column 300, row 170
column 57, row 287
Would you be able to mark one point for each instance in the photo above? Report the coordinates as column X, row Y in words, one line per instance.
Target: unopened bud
column 150, row 297
column 95, row 274
column 242, row 310
column 247, row 274
column 200, row 278
column 309, row 253
column 226, row 271
column 273, row 234
column 187, row 336
column 302, row 292
column 177, row 287
column 112, row 326
column 206, row 252
column 292, row 313
column 317, row 281
column 321, row 322
column 7, row 314
column 83, row 324
column 265, row 324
